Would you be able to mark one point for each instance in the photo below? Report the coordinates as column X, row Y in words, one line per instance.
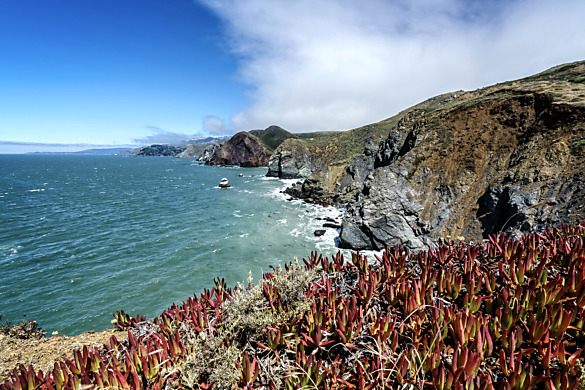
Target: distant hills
column 269, row 138
column 207, row 140
column 95, row 152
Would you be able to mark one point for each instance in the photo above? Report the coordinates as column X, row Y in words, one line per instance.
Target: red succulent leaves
column 508, row 313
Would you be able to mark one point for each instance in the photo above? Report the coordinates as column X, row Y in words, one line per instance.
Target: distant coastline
column 93, row 152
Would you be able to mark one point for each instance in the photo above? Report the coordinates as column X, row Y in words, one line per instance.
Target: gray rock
column 331, row 225
column 386, row 213
column 209, row 152
column 285, row 164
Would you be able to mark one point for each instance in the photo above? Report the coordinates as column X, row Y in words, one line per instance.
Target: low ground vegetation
column 23, row 330
column 507, row 313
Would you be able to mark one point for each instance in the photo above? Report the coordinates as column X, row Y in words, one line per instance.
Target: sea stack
column 224, row 183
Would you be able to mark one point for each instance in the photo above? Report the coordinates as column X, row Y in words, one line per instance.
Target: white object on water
column 224, row 183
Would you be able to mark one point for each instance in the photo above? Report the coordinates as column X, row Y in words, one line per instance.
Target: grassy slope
column 272, row 136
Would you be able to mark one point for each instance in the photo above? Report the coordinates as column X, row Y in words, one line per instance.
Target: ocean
column 84, row 236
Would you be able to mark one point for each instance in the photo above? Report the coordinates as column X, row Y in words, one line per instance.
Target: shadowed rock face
column 514, row 161
column 285, row 164
column 242, row 149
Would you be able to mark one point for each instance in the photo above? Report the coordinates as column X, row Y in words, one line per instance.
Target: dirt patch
column 44, row 352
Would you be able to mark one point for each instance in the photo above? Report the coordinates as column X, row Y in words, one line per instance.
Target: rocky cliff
column 209, row 152
column 291, row 160
column 509, row 157
column 242, row 149
column 332, row 164
column 505, row 158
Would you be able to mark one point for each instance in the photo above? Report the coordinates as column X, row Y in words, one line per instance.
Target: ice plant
column 508, row 313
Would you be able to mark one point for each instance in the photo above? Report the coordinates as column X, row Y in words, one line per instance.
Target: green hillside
column 272, row 136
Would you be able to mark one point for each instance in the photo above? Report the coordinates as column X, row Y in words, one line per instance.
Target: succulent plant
column 506, row 313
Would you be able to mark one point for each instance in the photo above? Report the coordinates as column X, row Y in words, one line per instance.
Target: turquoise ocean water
column 84, row 236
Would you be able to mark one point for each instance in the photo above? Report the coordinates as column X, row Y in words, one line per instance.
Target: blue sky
column 111, row 72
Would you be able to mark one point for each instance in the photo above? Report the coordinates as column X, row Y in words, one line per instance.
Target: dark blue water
column 84, row 236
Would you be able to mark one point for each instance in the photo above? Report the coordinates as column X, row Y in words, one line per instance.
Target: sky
column 76, row 74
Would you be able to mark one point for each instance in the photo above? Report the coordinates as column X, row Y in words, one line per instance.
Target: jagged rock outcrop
column 505, row 158
column 291, row 160
column 242, row 149
column 337, row 182
column 333, row 165
column 160, row 151
column 390, row 215
column 209, row 152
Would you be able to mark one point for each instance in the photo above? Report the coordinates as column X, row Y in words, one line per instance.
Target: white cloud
column 214, row 125
column 339, row 64
column 161, row 136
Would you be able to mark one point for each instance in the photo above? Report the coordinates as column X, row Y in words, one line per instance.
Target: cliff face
column 209, row 152
column 506, row 158
column 333, row 165
column 242, row 149
column 291, row 160
column 466, row 164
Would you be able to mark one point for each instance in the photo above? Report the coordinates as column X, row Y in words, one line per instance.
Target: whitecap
column 290, row 182
column 36, row 190
column 12, row 249
column 295, row 232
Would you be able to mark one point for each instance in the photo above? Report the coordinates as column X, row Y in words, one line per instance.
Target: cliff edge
column 509, row 157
